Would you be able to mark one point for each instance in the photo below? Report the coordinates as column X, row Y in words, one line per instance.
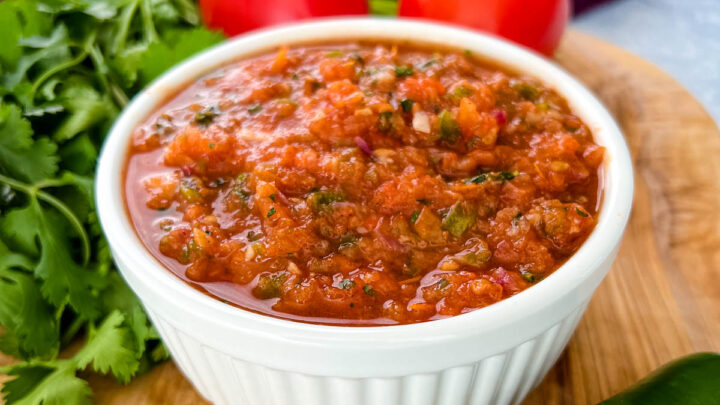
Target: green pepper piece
column 689, row 380
column 321, row 200
column 460, row 218
column 269, row 285
column 449, row 128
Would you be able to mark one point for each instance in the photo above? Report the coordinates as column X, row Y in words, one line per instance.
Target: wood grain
column 662, row 298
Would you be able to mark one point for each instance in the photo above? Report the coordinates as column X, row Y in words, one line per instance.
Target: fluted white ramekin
column 494, row 355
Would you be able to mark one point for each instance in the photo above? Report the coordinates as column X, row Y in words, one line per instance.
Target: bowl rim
column 614, row 210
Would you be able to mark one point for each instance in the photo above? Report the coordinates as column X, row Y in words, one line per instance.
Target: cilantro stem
column 74, row 221
column 56, row 69
column 100, row 66
column 148, row 24
column 118, row 44
column 120, row 97
column 189, row 11
column 17, row 185
column 103, row 73
column 73, row 329
column 35, row 193
column 52, row 183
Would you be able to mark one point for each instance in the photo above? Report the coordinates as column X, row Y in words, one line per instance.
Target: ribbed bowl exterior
column 505, row 378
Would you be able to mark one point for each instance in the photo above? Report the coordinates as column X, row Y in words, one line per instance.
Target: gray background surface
column 680, row 36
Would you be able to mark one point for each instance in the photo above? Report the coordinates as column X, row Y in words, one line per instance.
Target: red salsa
column 363, row 183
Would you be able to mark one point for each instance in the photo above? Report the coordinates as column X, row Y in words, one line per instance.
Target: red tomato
column 237, row 16
column 537, row 24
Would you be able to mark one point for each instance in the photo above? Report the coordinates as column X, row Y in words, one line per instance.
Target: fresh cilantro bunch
column 67, row 68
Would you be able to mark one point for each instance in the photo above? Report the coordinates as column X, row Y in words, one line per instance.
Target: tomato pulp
column 363, row 183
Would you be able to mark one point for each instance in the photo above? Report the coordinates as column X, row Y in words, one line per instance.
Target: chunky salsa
column 363, row 183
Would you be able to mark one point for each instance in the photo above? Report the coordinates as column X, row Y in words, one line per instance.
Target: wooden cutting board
column 661, row 300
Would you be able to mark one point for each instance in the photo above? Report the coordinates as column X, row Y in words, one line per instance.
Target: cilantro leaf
column 126, row 63
column 48, row 53
column 19, row 228
column 160, row 353
column 86, row 108
column 23, row 311
column 10, row 344
column 10, row 259
column 46, row 384
column 119, row 296
column 110, row 349
column 20, row 155
column 176, row 46
column 63, row 279
column 19, row 19
column 78, row 155
column 26, row 379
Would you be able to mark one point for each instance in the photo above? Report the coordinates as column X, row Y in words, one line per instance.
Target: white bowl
column 494, row 355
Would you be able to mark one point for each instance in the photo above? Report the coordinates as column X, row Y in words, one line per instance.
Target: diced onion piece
column 421, row 122
column 449, row 265
column 249, row 253
column 294, row 269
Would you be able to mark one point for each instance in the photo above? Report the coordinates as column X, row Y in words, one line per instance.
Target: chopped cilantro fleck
column 442, row 284
column 335, row 54
column 205, row 116
column 582, row 213
column 240, row 187
column 367, row 289
column 449, row 128
column 428, row 63
column 407, row 104
column 462, row 92
column 252, row 236
column 385, row 123
column 529, row 277
column 348, row 239
column 517, row 217
column 414, row 216
column 359, row 59
column 271, row 212
column 255, row 109
column 404, row 71
column 527, row 91
column 506, row 175
column 322, row 200
column 479, row 179
column 272, row 197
